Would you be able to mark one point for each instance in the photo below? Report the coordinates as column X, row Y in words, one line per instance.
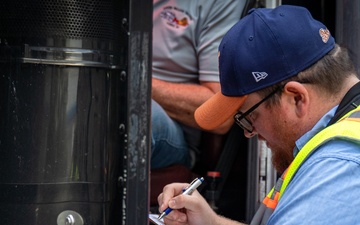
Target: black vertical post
column 135, row 177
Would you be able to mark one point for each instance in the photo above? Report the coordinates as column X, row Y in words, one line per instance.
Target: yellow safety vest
column 348, row 128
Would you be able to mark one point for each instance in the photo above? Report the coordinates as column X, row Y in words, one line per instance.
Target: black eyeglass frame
column 239, row 116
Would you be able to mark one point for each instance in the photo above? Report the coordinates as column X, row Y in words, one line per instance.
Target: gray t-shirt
column 186, row 37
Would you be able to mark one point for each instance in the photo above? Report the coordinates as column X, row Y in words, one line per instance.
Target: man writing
column 284, row 79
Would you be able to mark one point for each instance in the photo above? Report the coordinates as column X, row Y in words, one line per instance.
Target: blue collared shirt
column 326, row 188
column 320, row 125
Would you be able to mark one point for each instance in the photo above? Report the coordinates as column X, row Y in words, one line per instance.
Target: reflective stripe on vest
column 347, row 128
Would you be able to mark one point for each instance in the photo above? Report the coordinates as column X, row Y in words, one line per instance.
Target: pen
column 188, row 191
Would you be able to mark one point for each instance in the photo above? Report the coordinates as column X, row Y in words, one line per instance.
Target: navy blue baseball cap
column 262, row 49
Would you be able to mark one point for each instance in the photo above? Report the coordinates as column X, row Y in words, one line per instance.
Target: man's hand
column 188, row 209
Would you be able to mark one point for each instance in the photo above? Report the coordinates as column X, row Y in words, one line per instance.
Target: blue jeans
column 168, row 143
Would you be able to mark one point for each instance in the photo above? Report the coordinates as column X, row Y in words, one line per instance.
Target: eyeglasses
column 242, row 121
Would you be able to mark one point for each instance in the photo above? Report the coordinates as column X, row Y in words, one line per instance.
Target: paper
column 154, row 219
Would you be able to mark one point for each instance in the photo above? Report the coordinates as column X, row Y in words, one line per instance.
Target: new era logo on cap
column 259, row 76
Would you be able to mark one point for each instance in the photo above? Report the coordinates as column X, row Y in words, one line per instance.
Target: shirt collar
column 320, row 125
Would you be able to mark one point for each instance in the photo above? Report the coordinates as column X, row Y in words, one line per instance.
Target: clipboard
column 153, row 218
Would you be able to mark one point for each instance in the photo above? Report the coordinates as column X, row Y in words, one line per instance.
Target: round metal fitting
column 69, row 217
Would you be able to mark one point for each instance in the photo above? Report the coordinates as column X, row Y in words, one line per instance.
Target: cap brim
column 217, row 110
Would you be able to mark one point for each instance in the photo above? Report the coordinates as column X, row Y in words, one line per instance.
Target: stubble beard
column 281, row 160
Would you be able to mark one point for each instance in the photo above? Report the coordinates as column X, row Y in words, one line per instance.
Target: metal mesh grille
column 75, row 19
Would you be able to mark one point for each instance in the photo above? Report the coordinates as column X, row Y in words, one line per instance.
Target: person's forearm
column 180, row 100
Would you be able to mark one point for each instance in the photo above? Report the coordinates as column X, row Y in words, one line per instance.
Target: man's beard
column 282, row 160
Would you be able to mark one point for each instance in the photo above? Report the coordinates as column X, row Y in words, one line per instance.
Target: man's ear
column 297, row 96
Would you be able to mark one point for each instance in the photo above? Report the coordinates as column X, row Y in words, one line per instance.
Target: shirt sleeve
column 220, row 18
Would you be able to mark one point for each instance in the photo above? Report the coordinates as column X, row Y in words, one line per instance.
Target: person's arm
column 180, row 100
column 189, row 209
